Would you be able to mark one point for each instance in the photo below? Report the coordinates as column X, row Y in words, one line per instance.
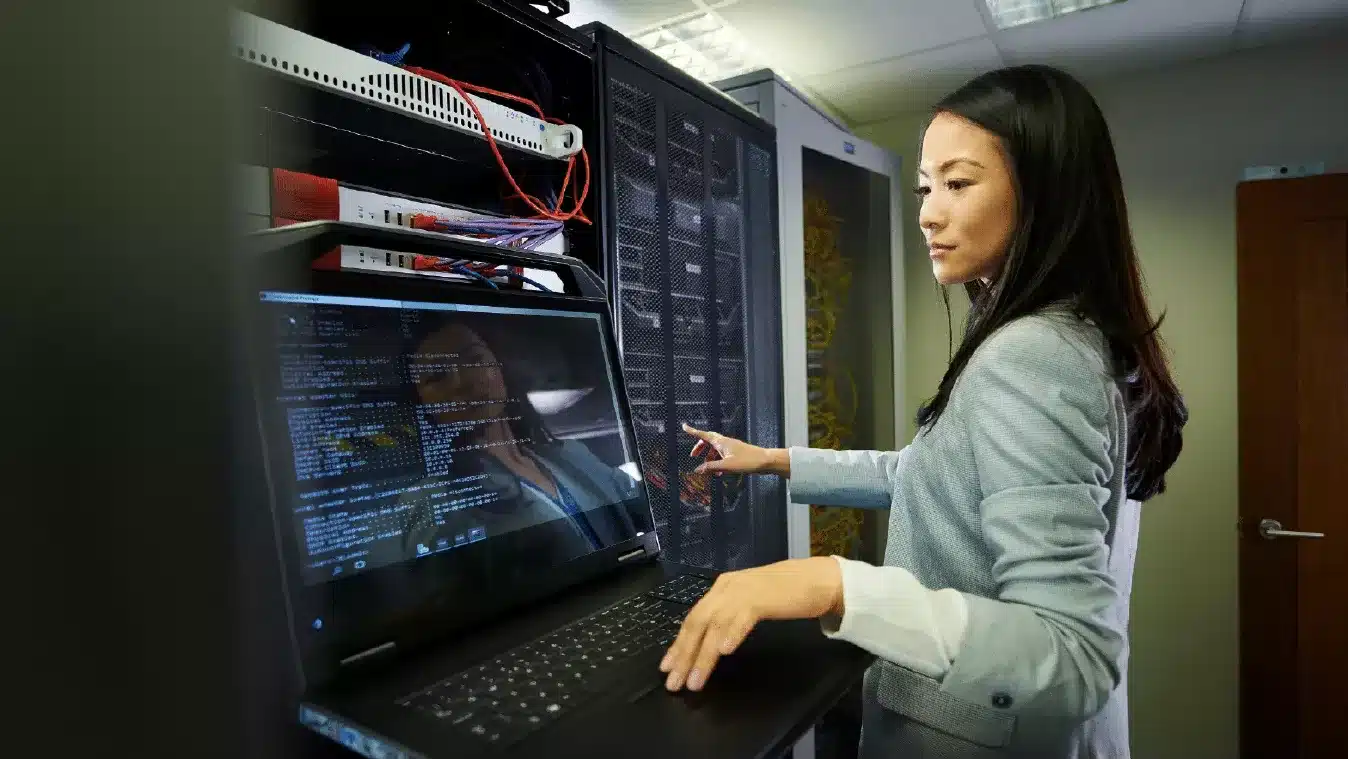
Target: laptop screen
column 439, row 449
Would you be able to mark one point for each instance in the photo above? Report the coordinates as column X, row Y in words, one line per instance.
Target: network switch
column 293, row 197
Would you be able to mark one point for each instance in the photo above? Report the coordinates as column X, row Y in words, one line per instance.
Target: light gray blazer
column 1015, row 498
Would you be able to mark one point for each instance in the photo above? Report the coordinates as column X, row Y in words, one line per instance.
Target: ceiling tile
column 1265, row 11
column 814, row 37
column 627, row 16
column 1092, row 64
column 1124, row 37
column 884, row 89
column 1270, row 21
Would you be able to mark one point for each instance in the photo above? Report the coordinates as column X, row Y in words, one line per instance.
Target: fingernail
column 666, row 662
column 695, row 680
column 727, row 646
column 685, row 426
column 672, row 682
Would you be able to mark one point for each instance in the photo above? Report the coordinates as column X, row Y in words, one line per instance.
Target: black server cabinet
column 690, row 236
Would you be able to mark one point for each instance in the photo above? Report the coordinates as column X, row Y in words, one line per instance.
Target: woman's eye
column 921, row 190
column 957, row 184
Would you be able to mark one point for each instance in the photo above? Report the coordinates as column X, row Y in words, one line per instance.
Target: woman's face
column 968, row 200
column 455, row 366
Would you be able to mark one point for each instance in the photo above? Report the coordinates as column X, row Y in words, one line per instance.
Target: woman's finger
column 702, row 447
column 712, row 465
column 695, row 432
column 705, row 439
column 708, row 654
column 675, row 654
column 681, row 655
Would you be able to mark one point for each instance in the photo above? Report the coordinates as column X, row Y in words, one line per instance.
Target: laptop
column 469, row 556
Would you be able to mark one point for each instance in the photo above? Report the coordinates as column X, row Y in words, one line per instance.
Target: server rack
column 689, row 210
column 495, row 43
column 818, row 159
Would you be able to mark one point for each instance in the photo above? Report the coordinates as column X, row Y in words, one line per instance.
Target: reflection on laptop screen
column 416, row 429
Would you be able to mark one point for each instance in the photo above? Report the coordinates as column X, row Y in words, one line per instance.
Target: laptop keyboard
column 506, row 699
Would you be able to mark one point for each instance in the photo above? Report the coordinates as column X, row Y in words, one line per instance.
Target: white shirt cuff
column 888, row 613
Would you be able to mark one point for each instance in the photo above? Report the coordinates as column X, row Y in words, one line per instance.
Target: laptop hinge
column 387, row 648
column 636, row 554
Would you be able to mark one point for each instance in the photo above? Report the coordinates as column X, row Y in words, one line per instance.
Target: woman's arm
column 890, row 614
column 1038, row 413
column 861, row 479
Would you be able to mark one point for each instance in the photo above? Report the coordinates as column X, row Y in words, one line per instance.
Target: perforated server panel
column 691, row 262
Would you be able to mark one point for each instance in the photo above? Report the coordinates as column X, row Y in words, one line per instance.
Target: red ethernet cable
column 538, row 206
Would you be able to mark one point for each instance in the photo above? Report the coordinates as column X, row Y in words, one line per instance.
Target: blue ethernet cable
column 467, row 272
column 393, row 59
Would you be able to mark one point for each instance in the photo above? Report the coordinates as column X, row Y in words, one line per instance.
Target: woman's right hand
column 726, row 454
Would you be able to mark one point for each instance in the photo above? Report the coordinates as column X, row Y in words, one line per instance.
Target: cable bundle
column 514, row 233
column 539, row 207
column 828, row 277
column 694, row 488
column 483, row 272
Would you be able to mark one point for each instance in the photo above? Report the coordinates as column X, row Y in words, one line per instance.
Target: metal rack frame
column 675, row 281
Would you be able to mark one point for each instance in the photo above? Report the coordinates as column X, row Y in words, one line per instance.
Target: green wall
column 1183, row 136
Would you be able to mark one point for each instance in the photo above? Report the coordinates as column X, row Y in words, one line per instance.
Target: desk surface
column 758, row 703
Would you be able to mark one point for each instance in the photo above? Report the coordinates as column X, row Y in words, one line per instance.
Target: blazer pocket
column 921, row 699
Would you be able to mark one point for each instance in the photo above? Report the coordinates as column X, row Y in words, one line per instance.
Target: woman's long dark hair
column 1071, row 246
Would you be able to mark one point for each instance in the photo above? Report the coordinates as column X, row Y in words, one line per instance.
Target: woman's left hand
column 719, row 623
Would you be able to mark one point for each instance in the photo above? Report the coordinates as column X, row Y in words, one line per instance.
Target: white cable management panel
column 326, row 66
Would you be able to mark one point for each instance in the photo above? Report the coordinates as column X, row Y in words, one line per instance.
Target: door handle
column 1271, row 529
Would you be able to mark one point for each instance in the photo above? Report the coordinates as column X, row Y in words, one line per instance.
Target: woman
column 479, row 425
column 1000, row 617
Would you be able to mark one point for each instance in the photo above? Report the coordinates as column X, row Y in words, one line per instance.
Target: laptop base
column 756, row 703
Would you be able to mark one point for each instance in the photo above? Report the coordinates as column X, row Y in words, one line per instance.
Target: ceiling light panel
column 1009, row 13
column 703, row 46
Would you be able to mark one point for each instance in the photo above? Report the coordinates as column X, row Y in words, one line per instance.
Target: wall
column 1183, row 136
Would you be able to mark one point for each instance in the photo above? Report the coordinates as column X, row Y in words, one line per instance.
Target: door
column 1292, row 279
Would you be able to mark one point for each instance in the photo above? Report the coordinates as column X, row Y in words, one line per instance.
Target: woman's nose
column 929, row 216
